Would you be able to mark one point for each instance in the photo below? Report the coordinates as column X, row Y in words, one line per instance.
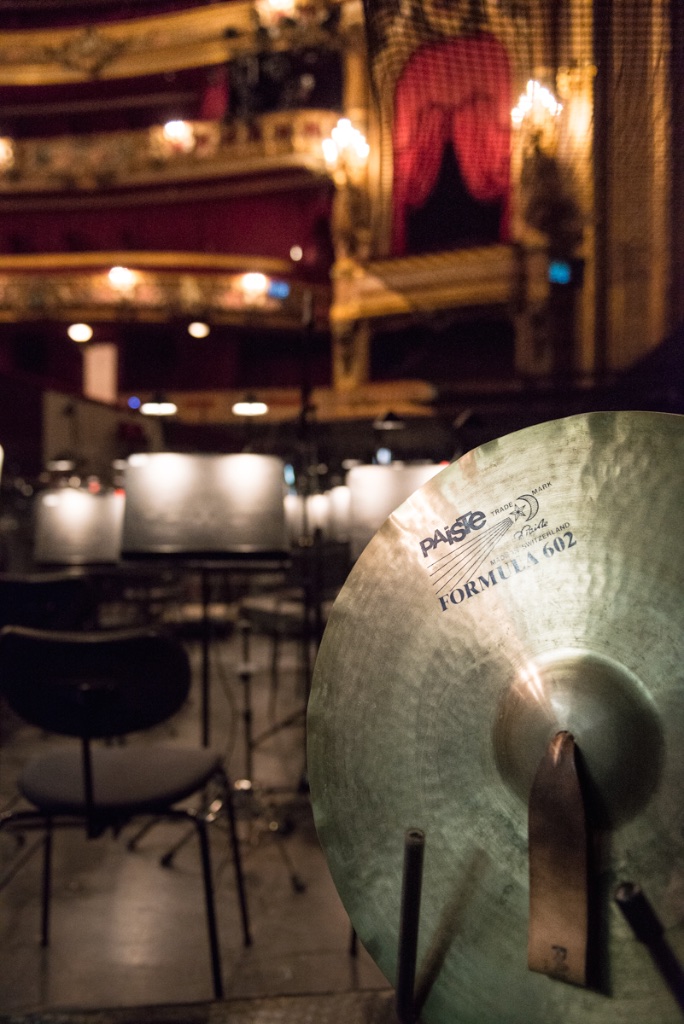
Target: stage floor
column 129, row 933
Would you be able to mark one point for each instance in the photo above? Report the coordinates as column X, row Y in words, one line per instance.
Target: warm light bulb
column 6, row 154
column 180, row 134
column 254, row 285
column 121, row 278
column 536, row 102
column 346, row 146
column 342, row 133
column 296, row 253
column 330, row 151
column 198, row 329
column 80, row 332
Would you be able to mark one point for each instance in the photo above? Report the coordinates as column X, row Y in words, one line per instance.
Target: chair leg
column 47, row 885
column 237, row 862
column 210, row 908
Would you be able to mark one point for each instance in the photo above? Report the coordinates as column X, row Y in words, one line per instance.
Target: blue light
column 560, row 272
column 134, row 402
column 278, row 290
column 383, row 456
column 289, row 474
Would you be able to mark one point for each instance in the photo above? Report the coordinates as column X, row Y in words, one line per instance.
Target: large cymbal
column 535, row 585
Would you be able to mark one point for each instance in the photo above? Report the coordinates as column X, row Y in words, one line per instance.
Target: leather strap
column 558, row 853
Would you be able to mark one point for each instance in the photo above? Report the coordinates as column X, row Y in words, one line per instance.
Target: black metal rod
column 245, row 676
column 648, row 929
column 414, row 845
column 206, row 653
column 210, row 908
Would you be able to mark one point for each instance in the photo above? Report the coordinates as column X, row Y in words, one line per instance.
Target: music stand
column 210, row 514
column 76, row 528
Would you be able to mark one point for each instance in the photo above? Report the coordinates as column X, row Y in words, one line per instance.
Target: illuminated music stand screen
column 204, row 505
column 74, row 527
column 375, row 492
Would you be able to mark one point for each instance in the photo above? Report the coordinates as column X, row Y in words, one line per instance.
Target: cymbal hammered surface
column 532, row 586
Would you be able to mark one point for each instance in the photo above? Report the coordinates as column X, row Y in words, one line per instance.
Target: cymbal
column 535, row 585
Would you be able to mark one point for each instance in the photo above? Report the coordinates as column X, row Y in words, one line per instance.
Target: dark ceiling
column 31, row 14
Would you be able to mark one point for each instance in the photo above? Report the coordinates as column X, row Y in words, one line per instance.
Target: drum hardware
column 414, row 846
column 649, row 929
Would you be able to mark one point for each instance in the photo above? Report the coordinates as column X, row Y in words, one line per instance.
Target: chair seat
column 131, row 780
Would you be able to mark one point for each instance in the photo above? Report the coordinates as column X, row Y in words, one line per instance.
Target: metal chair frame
column 86, row 718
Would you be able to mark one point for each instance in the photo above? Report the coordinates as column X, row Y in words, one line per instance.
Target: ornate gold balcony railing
column 162, row 286
column 157, row 44
column 85, row 163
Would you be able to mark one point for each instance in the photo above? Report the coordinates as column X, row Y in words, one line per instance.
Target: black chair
column 98, row 686
column 47, row 600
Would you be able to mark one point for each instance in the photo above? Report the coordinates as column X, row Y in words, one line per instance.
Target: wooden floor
column 128, row 932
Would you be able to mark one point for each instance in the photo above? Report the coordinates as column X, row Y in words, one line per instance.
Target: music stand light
column 75, row 527
column 204, row 506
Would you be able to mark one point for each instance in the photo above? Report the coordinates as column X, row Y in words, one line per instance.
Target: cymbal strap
column 558, row 866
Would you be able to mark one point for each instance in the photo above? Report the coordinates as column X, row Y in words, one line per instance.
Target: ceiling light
column 249, row 406
column 390, row 421
column 296, row 253
column 80, row 332
column 158, row 406
column 198, row 329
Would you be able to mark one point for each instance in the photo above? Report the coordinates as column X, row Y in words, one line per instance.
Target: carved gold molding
column 144, row 260
column 162, row 286
column 141, row 46
column 478, row 277
column 126, row 159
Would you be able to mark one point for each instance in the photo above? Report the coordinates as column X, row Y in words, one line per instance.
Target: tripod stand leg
column 298, row 885
column 167, row 860
column 245, row 672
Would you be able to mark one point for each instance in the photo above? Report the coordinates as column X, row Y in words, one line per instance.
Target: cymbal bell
column 532, row 587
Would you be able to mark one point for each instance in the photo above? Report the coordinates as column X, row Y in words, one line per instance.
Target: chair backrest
column 47, row 601
column 93, row 684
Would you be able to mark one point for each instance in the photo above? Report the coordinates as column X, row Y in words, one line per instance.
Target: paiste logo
column 454, row 534
column 470, row 542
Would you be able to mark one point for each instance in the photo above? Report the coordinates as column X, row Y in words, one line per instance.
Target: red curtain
column 214, row 103
column 458, row 90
